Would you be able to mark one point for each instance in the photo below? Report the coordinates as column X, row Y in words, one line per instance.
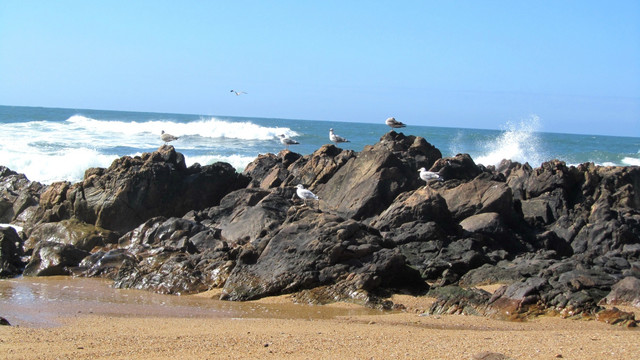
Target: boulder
column 81, row 235
column 52, row 258
column 10, row 253
column 18, row 195
column 624, row 292
column 133, row 190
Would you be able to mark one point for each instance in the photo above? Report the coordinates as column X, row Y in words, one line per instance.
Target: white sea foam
column 237, row 161
column 631, row 161
column 204, row 127
column 517, row 143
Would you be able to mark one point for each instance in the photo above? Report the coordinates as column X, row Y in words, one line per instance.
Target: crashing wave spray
column 517, row 143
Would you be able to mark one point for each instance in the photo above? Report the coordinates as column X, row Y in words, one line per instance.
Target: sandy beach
column 399, row 335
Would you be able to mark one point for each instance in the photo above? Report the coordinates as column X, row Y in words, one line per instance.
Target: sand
column 400, row 335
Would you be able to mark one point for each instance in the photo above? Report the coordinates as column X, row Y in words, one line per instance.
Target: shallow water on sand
column 41, row 301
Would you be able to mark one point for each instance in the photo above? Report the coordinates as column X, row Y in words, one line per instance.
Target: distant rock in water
column 562, row 239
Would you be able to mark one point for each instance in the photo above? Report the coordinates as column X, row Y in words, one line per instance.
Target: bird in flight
column 238, row 93
column 429, row 175
column 167, row 137
column 394, row 123
column 336, row 138
column 286, row 141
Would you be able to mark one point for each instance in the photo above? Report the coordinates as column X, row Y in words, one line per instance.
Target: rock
column 456, row 300
column 616, row 316
column 515, row 300
column 51, row 258
column 313, row 249
column 17, row 195
column 81, row 235
column 487, row 355
column 460, row 167
column 423, row 205
column 133, row 190
column 624, row 292
column 4, row 321
column 10, row 253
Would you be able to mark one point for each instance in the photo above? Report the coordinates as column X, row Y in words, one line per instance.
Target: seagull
column 305, row 194
column 167, row 137
column 394, row 123
column 336, row 138
column 286, row 141
column 238, row 93
column 429, row 175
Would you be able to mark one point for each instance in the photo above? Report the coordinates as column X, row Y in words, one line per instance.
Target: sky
column 469, row 64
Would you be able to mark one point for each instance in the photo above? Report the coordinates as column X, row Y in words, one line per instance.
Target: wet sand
column 278, row 329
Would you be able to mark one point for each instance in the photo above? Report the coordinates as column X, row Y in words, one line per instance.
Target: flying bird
column 429, row 175
column 336, row 138
column 167, row 137
column 393, row 123
column 305, row 194
column 238, row 93
column 286, row 141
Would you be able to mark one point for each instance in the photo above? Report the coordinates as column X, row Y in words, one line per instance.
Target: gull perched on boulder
column 336, row 138
column 286, row 141
column 429, row 175
column 305, row 194
column 167, row 137
column 394, row 124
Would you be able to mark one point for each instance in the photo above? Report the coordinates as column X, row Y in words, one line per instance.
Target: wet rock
column 616, row 316
column 52, row 258
column 81, row 235
column 10, row 253
column 106, row 264
column 624, row 292
column 453, row 299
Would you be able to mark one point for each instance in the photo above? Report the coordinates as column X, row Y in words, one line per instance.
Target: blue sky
column 473, row 64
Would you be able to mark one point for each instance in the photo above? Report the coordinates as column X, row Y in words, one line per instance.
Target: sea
column 53, row 144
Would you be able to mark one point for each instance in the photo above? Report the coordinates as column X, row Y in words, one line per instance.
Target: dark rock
column 313, row 249
column 81, row 235
column 10, row 253
column 624, row 292
column 616, row 316
column 18, row 196
column 456, row 300
column 460, row 167
column 52, row 258
column 133, row 190
column 4, row 321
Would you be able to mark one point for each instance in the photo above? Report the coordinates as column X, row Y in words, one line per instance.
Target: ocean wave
column 203, row 127
column 631, row 161
column 518, row 142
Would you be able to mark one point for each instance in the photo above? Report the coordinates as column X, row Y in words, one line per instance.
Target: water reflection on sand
column 41, row 301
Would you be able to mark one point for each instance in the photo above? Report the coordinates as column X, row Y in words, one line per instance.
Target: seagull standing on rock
column 305, row 194
column 394, row 124
column 336, row 138
column 429, row 175
column 167, row 137
column 286, row 141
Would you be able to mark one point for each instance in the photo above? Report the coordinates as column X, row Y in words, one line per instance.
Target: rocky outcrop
column 134, row 189
column 562, row 239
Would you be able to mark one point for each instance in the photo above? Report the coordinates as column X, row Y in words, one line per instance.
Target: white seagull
column 336, row 138
column 286, row 141
column 305, row 194
column 238, row 93
column 429, row 175
column 167, row 137
column 394, row 123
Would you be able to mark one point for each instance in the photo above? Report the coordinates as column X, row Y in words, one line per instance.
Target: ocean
column 51, row 144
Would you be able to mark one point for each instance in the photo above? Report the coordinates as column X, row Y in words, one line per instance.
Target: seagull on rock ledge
column 167, row 137
column 336, row 138
column 394, row 124
column 286, row 141
column 305, row 194
column 429, row 175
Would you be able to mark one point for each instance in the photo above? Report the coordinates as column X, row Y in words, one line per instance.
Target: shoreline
column 356, row 335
